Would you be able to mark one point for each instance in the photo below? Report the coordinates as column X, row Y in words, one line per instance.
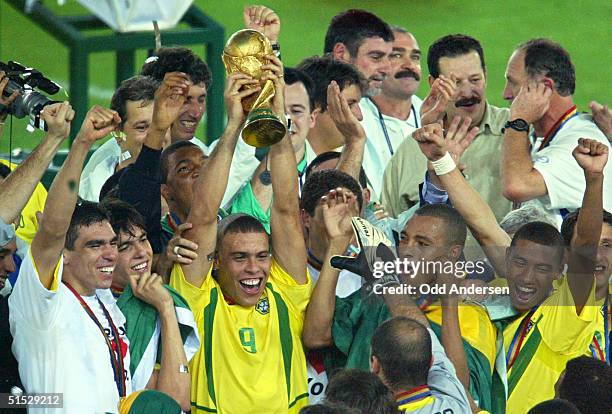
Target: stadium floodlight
column 135, row 15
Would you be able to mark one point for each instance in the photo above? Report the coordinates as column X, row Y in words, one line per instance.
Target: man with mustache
column 390, row 117
column 458, row 88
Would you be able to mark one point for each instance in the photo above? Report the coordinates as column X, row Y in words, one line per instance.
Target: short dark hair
column 361, row 390
column 167, row 153
column 586, row 373
column 556, row 406
column 328, row 408
column 403, row 348
column 5, row 171
column 456, row 229
column 321, row 182
column 177, row 59
column 323, row 70
column 86, row 213
column 124, row 218
column 136, row 88
column 548, row 58
column 352, row 27
column 331, row 155
column 540, row 233
column 569, row 224
column 451, row 46
column 293, row 75
column 238, row 223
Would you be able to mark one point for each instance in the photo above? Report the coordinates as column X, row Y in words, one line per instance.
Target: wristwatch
column 518, row 125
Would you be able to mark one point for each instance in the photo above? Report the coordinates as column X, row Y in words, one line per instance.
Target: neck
column 394, row 106
column 77, row 285
column 601, row 291
column 317, row 248
column 558, row 106
column 317, row 143
column 299, row 154
column 174, row 209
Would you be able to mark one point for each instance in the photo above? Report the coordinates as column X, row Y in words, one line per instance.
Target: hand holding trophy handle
column 250, row 52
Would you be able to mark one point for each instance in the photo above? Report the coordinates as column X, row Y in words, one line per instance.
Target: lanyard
column 572, row 112
column 517, row 341
column 115, row 355
column 597, row 351
column 381, row 120
column 173, row 221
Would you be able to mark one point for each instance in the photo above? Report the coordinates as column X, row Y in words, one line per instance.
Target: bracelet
column 444, row 165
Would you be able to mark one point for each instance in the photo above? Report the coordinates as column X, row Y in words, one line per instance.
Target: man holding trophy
column 249, row 303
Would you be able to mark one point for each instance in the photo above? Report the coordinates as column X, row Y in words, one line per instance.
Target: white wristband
column 444, row 165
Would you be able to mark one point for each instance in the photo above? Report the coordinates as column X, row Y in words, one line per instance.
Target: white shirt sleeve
column 442, row 379
column 31, row 301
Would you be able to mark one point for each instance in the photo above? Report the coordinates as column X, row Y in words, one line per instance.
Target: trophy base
column 263, row 129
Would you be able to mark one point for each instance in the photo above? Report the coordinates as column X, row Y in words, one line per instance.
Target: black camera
column 30, row 102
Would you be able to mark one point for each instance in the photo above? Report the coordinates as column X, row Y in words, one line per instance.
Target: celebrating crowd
column 355, row 266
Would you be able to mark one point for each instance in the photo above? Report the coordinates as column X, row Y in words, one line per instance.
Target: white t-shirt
column 563, row 176
column 58, row 346
column 377, row 152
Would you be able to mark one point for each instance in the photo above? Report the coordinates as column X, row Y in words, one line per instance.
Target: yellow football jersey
column 28, row 224
column 545, row 338
column 251, row 359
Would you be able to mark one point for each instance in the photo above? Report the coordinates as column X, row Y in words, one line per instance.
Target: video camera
column 30, row 102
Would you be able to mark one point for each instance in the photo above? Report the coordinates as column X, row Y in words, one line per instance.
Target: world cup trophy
column 245, row 52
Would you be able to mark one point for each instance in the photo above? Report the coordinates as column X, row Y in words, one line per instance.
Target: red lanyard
column 517, row 341
column 116, row 357
column 557, row 127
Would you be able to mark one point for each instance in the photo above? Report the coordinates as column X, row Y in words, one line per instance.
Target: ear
column 67, row 256
column 549, row 83
column 165, row 192
column 430, row 80
column 341, row 52
column 367, row 196
column 313, row 117
column 374, row 365
column 455, row 251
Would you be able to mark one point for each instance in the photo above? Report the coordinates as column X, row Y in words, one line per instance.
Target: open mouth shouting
column 251, row 286
column 523, row 294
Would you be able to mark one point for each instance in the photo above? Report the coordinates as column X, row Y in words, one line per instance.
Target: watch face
column 265, row 177
column 518, row 125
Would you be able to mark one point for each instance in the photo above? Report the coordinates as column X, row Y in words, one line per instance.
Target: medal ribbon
column 597, row 350
column 115, row 356
column 517, row 341
column 572, row 112
column 416, row 397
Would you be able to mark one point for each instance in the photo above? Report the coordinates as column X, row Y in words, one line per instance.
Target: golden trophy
column 245, row 52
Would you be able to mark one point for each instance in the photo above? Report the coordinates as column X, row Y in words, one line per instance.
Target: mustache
column 468, row 101
column 407, row 74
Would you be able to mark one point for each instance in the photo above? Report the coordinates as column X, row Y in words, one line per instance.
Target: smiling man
column 248, row 290
column 462, row 57
column 551, row 326
column 390, row 118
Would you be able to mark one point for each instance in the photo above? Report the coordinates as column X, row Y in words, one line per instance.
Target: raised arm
column 602, row 115
column 49, row 241
column 592, row 156
column 337, row 207
column 210, row 185
column 349, row 126
column 171, row 378
column 288, row 246
column 18, row 187
column 520, row 180
column 476, row 212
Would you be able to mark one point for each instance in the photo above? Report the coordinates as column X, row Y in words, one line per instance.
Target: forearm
column 210, row 185
column 261, row 192
column 62, row 197
column 585, row 244
column 351, row 157
column 171, row 380
column 155, row 136
column 516, row 165
column 317, row 332
column 284, row 177
column 18, row 187
column 451, row 339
